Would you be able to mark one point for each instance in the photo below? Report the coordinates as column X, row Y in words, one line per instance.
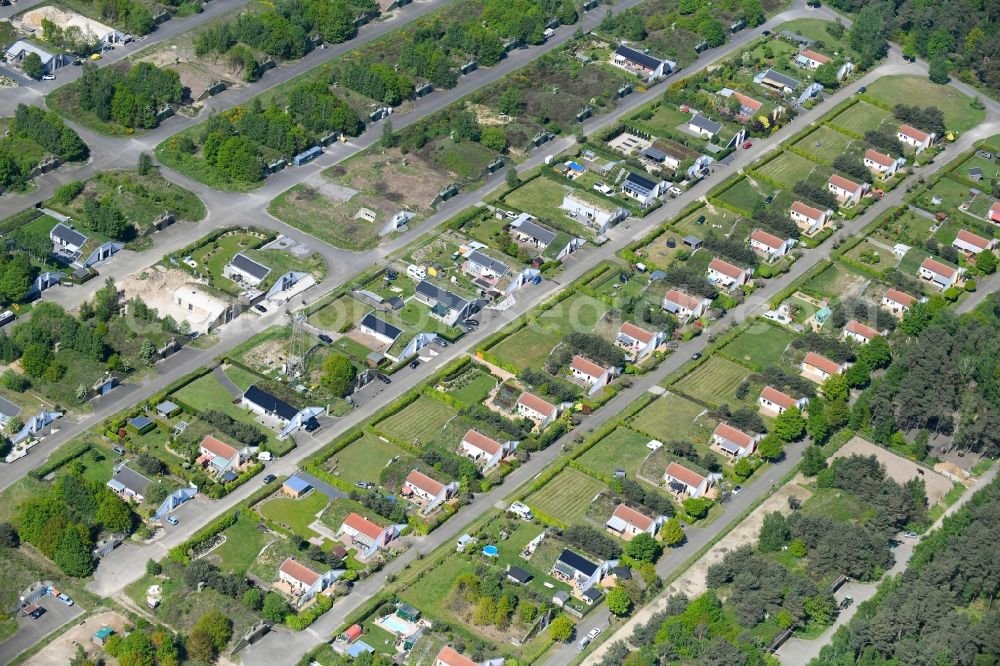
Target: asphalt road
column 30, row 631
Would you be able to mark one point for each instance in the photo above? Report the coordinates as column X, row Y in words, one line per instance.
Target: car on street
column 384, row 379
column 414, row 363
column 260, row 308
column 594, row 633
column 747, row 145
column 323, row 337
column 695, row 356
column 910, row 535
column 737, row 490
column 35, row 611
column 862, row 90
column 48, row 77
column 441, row 342
column 65, row 599
column 269, row 478
column 172, row 521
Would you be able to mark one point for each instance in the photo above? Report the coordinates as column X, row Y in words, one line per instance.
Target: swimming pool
column 396, row 625
column 490, row 551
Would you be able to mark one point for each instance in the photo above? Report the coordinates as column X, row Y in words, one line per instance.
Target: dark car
column 323, row 337
column 260, row 308
column 862, row 90
column 269, row 478
column 441, row 342
column 695, row 356
column 391, row 275
column 472, row 322
column 414, row 363
column 768, row 199
column 700, row 220
column 37, row 612
column 766, row 33
column 384, row 379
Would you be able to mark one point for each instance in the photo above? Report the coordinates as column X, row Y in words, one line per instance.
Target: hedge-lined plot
column 622, row 448
column 565, row 498
column 419, row 421
column 667, row 418
column 714, row 382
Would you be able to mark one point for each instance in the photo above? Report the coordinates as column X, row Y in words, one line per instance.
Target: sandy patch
column 898, row 468
column 156, row 287
column 63, row 649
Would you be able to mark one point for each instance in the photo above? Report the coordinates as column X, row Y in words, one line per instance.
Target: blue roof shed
column 296, row 486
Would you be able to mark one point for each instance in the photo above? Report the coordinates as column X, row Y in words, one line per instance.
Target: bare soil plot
column 63, row 649
column 197, row 73
column 899, row 469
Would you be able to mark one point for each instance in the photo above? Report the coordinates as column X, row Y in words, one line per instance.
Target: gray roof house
column 704, row 126
column 67, row 239
column 128, row 483
column 245, row 270
column 20, row 49
column 481, row 264
column 445, row 305
column 777, row 80
column 379, row 329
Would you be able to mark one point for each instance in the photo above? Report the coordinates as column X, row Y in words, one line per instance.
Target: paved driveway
column 31, row 631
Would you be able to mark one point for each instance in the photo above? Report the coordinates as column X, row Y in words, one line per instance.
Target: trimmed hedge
column 53, row 464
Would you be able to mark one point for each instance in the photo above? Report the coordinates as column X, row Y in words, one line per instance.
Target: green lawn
column 296, row 514
column 746, row 193
column 465, row 160
column 787, row 168
column 825, row 144
column 666, row 119
column 833, row 282
column 243, row 543
column 668, row 418
column 910, row 263
column 213, row 257
column 419, row 421
column 864, row 252
column 308, row 209
column 242, row 378
column 565, row 497
column 339, row 313
column 959, row 116
column 542, row 197
column 836, row 504
column 714, row 382
column 364, row 459
column 861, row 116
column 814, row 29
column 475, row 390
column 622, row 448
column 431, row 591
column 759, row 346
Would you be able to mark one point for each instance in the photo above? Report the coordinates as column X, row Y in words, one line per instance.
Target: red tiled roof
column 726, row 268
column 858, row 328
column 818, row 57
column 913, row 132
column 972, row 239
column 937, row 267
column 995, row 211
column 635, row 332
column 684, row 475
column 680, row 298
column 361, row 524
column 734, row 435
column 748, row 102
column 298, row 571
column 776, row 397
column 633, row 517
column 535, row 403
column 767, row 239
column 808, row 211
column 588, row 368
column 481, row 441
column 451, row 657
column 218, row 448
column 353, row 633
column 822, row 363
column 879, row 158
column 900, row 297
column 843, row 183
column 423, row 482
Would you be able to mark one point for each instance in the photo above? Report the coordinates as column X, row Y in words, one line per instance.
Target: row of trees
column 44, row 128
column 131, row 99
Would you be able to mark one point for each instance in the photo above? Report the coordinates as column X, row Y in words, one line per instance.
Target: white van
column 521, row 511
column 416, row 272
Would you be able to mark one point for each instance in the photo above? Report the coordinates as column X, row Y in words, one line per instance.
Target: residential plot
column 295, row 514
column 565, row 497
column 667, row 418
column 787, row 169
column 746, row 193
column 244, row 542
column 473, row 386
column 714, row 382
column 959, row 116
column 622, row 448
column 759, row 346
column 861, row 117
column 419, row 421
column 877, row 257
column 339, row 313
column 825, row 144
column 362, row 460
column 834, row 282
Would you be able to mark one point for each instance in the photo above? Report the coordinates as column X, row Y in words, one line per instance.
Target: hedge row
column 180, row 553
column 52, row 464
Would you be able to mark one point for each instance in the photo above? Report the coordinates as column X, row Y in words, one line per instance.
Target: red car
column 747, row 144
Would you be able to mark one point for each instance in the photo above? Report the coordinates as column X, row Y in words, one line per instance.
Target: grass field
column 714, row 382
column 339, row 313
column 243, row 543
column 759, row 346
column 529, row 347
column 787, row 168
column 814, row 29
column 860, row 117
column 565, row 497
column 833, row 282
column 476, row 389
column 958, row 115
column 364, row 459
column 746, row 193
column 622, row 448
column 825, row 144
column 296, row 514
column 213, row 257
column 836, row 504
column 419, row 421
column 430, row 592
column 668, row 418
column 910, row 263
column 886, row 259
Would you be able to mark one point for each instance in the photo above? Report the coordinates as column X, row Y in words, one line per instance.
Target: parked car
column 65, row 599
column 269, row 478
column 384, row 379
column 768, row 199
column 594, row 633
column 862, row 90
column 695, row 356
column 171, row 520
column 35, row 612
column 260, row 308
column 441, row 342
column 747, row 144
column 48, row 77
column 910, row 535
column 737, row 490
column 846, row 601
column 472, row 322
column 364, row 485
column 96, row 56
column 120, row 450
column 323, row 337
column 414, row 363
